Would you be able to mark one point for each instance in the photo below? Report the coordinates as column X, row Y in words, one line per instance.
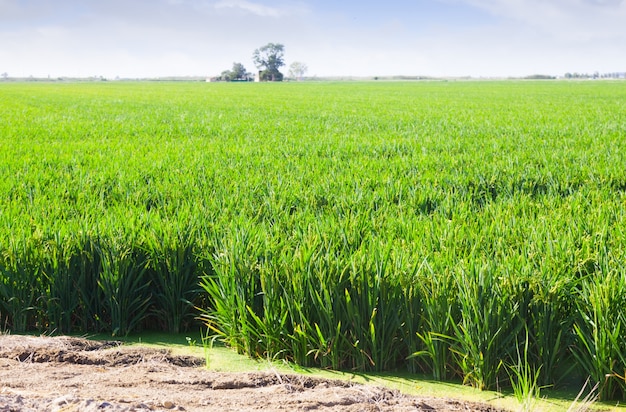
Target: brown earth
column 73, row 374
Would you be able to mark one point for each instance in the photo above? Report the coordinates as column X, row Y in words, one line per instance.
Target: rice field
column 461, row 229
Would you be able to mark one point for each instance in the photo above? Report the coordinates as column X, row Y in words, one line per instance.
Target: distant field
column 464, row 229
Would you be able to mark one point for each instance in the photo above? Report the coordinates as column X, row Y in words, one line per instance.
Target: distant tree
column 297, row 70
column 5, row 75
column 226, row 76
column 539, row 77
column 239, row 72
column 269, row 59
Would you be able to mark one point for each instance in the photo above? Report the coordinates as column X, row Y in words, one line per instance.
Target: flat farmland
column 472, row 230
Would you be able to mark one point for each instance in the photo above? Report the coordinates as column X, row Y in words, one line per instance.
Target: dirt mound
column 73, row 374
column 84, row 352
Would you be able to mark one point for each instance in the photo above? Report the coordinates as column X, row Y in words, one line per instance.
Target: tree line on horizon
column 268, row 60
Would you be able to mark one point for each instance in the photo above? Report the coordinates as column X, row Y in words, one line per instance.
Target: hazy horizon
column 438, row 38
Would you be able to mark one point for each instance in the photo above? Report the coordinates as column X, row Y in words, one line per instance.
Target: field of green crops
column 461, row 229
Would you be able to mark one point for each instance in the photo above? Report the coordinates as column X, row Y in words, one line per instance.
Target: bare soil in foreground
column 73, row 374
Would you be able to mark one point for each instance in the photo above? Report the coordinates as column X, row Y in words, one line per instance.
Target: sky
column 157, row 38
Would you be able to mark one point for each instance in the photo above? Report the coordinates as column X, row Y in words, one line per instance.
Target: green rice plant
column 372, row 319
column 86, row 263
column 551, row 293
column 315, row 299
column 438, row 294
column 524, row 379
column 20, row 284
column 599, row 331
column 60, row 279
column 173, row 270
column 125, row 289
column 488, row 326
column 233, row 289
column 208, row 342
column 268, row 323
column 411, row 326
column 298, row 265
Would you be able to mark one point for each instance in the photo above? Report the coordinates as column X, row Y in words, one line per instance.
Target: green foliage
column 367, row 226
column 60, row 299
column 20, row 285
column 438, row 298
column 270, row 58
column 297, row 70
column 271, row 76
column 173, row 270
column 124, row 287
column 488, row 325
column 237, row 73
column 600, row 349
column 524, row 379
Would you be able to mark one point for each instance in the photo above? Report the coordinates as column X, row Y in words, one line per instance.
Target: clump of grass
column 438, row 300
column 585, row 403
column 20, row 284
column 487, row 329
column 173, row 270
column 124, row 287
column 60, row 298
column 524, row 379
column 599, row 330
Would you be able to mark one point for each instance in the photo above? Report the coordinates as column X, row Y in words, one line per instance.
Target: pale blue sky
column 148, row 38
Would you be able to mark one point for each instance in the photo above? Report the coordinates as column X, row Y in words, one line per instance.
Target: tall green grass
column 429, row 227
